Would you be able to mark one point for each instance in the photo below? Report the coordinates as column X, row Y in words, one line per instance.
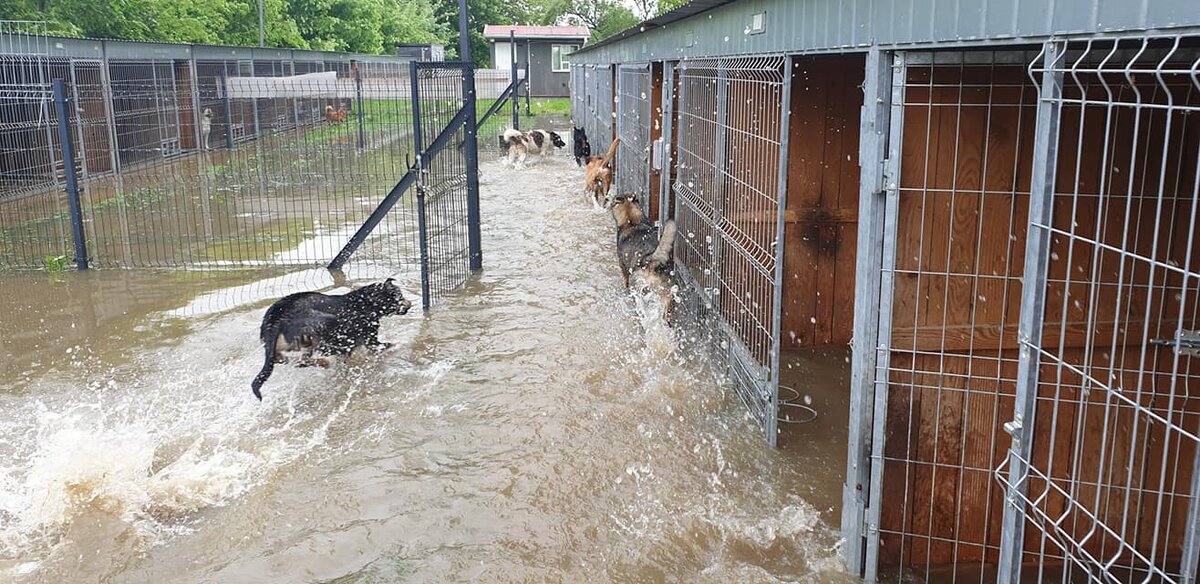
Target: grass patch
column 270, row 238
column 558, row 106
column 375, row 112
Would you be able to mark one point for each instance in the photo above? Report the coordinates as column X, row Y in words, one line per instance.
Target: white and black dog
column 521, row 144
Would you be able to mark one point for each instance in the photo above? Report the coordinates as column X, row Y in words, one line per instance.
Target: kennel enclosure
column 996, row 207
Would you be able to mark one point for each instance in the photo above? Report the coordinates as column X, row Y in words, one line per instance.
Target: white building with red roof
column 543, row 50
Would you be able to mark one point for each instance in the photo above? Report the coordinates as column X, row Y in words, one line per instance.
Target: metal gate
column 600, row 108
column 729, row 207
column 633, row 128
column 443, row 178
column 1024, row 381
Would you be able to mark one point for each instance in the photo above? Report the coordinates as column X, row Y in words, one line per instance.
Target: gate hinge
column 1185, row 342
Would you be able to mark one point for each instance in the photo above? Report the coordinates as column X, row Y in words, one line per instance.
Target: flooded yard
column 541, row 425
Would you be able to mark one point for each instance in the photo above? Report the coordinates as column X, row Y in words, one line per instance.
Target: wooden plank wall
column 822, row 201
column 968, row 135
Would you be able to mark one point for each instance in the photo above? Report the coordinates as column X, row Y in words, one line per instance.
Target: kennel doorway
column 1026, row 407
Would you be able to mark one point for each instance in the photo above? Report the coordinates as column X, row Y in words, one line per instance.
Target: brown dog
column 335, row 117
column 598, row 176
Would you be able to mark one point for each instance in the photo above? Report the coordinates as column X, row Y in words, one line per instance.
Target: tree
column 604, row 17
column 479, row 14
column 665, row 6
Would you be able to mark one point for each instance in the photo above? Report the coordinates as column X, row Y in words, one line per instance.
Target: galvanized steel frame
column 873, row 181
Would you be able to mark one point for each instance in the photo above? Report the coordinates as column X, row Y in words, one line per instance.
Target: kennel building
column 996, row 206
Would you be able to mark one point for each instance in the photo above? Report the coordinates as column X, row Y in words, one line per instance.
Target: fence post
column 362, row 136
column 1033, row 303
column 873, row 138
column 470, row 129
column 516, row 96
column 228, row 107
column 68, row 156
column 419, row 147
column 528, row 69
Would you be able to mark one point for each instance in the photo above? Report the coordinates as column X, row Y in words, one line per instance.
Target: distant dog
column 598, row 176
column 583, row 148
column 335, row 117
column 521, row 144
column 205, row 127
column 332, row 325
column 641, row 252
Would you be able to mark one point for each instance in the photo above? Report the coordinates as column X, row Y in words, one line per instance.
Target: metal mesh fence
column 633, row 119
column 1105, row 468
column 442, row 184
column 205, row 163
column 731, row 124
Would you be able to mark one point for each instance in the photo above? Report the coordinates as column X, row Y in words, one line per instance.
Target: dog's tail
column 665, row 249
column 612, row 151
column 268, row 365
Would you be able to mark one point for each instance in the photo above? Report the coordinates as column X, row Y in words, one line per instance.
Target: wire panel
column 633, row 121
column 1109, row 486
column 443, row 179
column 178, row 170
column 729, row 149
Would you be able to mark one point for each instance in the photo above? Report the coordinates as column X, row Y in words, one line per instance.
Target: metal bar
column 406, row 182
column 528, row 68
column 358, row 96
column 667, row 140
column 72, row 183
column 1033, row 300
column 228, row 106
column 516, row 99
column 873, row 141
column 422, row 220
column 474, row 218
column 785, row 103
column 891, row 217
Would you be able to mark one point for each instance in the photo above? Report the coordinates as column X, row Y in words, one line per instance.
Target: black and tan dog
column 333, row 325
column 642, row 253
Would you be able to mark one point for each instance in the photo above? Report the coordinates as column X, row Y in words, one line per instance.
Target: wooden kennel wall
column 822, row 201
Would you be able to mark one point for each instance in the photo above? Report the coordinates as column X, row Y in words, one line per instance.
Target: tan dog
column 335, row 117
column 598, row 176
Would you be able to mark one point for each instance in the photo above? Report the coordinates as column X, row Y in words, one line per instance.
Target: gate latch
column 1185, row 342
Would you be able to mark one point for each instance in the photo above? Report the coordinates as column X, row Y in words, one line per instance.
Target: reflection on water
column 542, row 425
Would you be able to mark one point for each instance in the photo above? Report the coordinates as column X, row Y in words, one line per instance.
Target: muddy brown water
column 541, row 425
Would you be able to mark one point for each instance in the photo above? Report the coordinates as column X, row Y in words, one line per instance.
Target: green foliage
column 56, row 264
column 604, row 17
column 665, row 6
column 363, row 26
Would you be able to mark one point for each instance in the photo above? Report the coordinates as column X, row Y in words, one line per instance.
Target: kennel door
column 732, row 126
column 633, row 128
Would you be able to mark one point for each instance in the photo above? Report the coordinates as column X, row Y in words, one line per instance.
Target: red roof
column 525, row 31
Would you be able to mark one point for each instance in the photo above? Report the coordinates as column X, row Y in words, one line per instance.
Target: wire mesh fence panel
column 600, row 108
column 1105, row 471
column 730, row 128
column 958, row 172
column 633, row 119
column 33, row 212
column 442, row 184
column 209, row 163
